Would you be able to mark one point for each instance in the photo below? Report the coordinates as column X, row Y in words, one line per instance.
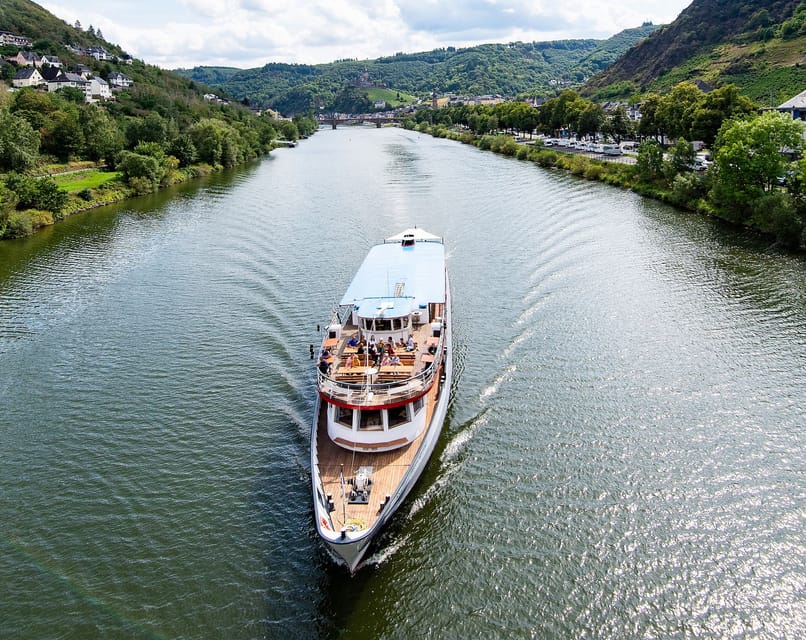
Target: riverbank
column 687, row 191
column 83, row 186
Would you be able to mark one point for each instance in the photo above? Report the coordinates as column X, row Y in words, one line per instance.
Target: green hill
column 156, row 132
column 505, row 69
column 757, row 45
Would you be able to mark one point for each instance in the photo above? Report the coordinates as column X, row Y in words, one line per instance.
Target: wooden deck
column 388, row 469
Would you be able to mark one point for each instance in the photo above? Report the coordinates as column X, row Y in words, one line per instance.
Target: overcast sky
column 250, row 33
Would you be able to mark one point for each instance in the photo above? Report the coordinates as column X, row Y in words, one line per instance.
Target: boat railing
column 371, row 392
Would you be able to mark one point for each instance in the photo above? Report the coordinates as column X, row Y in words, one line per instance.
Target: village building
column 26, row 59
column 51, row 61
column 10, row 39
column 27, row 77
column 796, row 106
column 119, row 80
column 70, row 80
column 100, row 89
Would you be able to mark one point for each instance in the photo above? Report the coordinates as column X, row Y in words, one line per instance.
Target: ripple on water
column 623, row 453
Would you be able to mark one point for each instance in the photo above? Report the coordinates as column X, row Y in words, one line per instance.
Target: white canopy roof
column 414, row 234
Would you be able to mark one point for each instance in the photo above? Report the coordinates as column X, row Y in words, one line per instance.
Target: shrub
column 594, row 171
column 36, row 193
column 19, row 225
column 688, row 188
column 142, row 185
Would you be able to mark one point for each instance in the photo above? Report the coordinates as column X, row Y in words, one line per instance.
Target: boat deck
column 351, row 382
column 388, row 470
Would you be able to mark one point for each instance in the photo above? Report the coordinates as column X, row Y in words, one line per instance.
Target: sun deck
column 353, row 379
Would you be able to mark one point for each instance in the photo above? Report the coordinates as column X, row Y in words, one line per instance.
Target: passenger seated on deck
column 360, row 350
column 401, row 343
column 386, row 361
column 352, row 342
column 350, row 361
column 324, row 366
column 411, row 345
column 394, row 360
column 372, row 341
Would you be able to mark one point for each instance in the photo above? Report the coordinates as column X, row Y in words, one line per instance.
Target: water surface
column 623, row 457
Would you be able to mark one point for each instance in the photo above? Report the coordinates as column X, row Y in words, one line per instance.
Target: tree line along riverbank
column 757, row 179
column 60, row 155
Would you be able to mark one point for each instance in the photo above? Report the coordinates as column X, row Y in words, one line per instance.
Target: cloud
column 249, row 33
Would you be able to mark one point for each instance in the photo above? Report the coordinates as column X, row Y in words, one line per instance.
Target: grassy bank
column 86, row 186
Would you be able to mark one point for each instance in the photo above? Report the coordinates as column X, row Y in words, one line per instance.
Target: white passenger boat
column 378, row 416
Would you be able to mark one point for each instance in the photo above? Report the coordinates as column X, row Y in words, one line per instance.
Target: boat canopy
column 384, row 307
column 392, row 271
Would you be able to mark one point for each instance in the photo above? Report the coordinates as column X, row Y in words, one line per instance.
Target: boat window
column 418, row 404
column 345, row 416
column 398, row 416
column 382, row 324
column 371, row 420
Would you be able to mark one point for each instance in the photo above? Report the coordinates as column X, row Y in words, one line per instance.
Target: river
column 624, row 456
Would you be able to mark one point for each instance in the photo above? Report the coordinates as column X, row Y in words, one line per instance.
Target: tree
column 63, row 136
column 152, row 128
column 103, row 138
column 650, row 160
column 617, row 125
column 19, row 143
column 142, row 172
column 590, row 120
column 182, row 149
column 649, row 125
column 674, row 113
column 749, row 160
column 681, row 157
column 718, row 106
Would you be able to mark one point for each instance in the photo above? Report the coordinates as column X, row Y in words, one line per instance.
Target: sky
column 249, row 33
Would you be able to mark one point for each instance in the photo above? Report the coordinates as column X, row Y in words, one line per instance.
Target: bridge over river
column 377, row 120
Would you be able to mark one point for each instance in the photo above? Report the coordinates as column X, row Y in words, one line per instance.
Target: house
column 27, row 77
column 70, row 80
column 100, row 89
column 26, row 59
column 795, row 106
column 117, row 79
column 82, row 70
column 99, row 53
column 11, row 39
column 51, row 61
column 49, row 73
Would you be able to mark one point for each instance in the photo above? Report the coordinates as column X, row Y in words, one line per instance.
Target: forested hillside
column 758, row 45
column 505, row 69
column 156, row 130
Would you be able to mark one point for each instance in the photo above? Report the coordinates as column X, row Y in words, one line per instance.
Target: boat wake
column 492, row 388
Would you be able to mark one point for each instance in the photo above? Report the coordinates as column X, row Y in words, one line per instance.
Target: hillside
column 504, row 69
column 154, row 129
column 743, row 42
